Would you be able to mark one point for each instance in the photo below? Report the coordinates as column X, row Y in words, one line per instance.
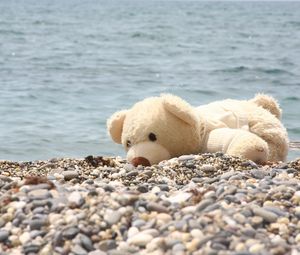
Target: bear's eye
column 128, row 144
column 152, row 137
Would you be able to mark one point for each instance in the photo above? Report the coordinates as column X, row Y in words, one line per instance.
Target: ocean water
column 66, row 66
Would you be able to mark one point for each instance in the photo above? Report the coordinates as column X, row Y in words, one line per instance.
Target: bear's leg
column 250, row 146
column 238, row 142
column 271, row 130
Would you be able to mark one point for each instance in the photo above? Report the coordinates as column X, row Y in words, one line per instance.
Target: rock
column 107, row 245
column 266, row 215
column 78, row 250
column 70, row 174
column 37, row 223
column 152, row 206
column 25, row 237
column 70, row 233
column 112, row 217
column 204, row 203
column 86, row 242
column 207, row 168
column 140, row 239
column 75, row 199
column 4, row 234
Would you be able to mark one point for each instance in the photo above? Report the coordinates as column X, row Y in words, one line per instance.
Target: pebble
column 266, row 215
column 75, row 199
column 157, row 207
column 198, row 204
column 70, row 174
column 70, row 233
column 4, row 234
column 140, row 239
column 112, row 217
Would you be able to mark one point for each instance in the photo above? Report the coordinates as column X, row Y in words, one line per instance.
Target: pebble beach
column 194, row 204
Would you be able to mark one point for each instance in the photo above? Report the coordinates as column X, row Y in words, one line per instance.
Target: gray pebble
column 204, row 203
column 70, row 174
column 142, row 188
column 37, row 223
column 86, row 242
column 138, row 223
column 4, row 234
column 258, row 173
column 266, row 215
column 78, row 250
column 70, row 232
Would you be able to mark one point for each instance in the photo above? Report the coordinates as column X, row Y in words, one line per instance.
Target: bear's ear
column 180, row 108
column 115, row 125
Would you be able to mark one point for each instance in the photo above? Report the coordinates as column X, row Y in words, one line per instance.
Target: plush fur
column 160, row 128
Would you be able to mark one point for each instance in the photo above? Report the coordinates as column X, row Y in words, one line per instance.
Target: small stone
column 207, row 168
column 258, row 173
column 78, row 250
column 204, row 203
column 97, row 252
column 180, row 197
column 297, row 239
column 86, row 242
column 256, row 248
column 70, row 174
column 132, row 232
column 75, row 199
column 37, row 223
column 107, row 245
column 142, row 188
column 140, row 239
column 39, row 194
column 4, row 234
column 266, row 215
column 186, row 157
column 152, row 206
column 164, row 217
column 70, row 232
column 24, row 238
column 112, row 217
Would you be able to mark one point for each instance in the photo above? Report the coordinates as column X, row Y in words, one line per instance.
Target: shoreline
column 194, row 204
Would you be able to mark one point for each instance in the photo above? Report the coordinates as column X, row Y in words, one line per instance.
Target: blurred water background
column 66, row 66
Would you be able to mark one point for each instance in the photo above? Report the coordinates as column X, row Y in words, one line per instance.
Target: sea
column 67, row 65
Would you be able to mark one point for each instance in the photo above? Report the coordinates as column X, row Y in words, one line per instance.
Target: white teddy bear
column 159, row 128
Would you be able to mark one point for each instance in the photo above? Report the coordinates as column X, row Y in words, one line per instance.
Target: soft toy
column 160, row 128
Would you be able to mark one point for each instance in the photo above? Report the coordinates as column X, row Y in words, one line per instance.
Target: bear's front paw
column 250, row 146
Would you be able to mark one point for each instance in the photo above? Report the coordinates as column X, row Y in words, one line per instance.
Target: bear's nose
column 140, row 161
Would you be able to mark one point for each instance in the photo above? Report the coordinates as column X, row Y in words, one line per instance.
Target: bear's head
column 156, row 129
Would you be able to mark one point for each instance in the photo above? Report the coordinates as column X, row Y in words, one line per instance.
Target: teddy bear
column 166, row 126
